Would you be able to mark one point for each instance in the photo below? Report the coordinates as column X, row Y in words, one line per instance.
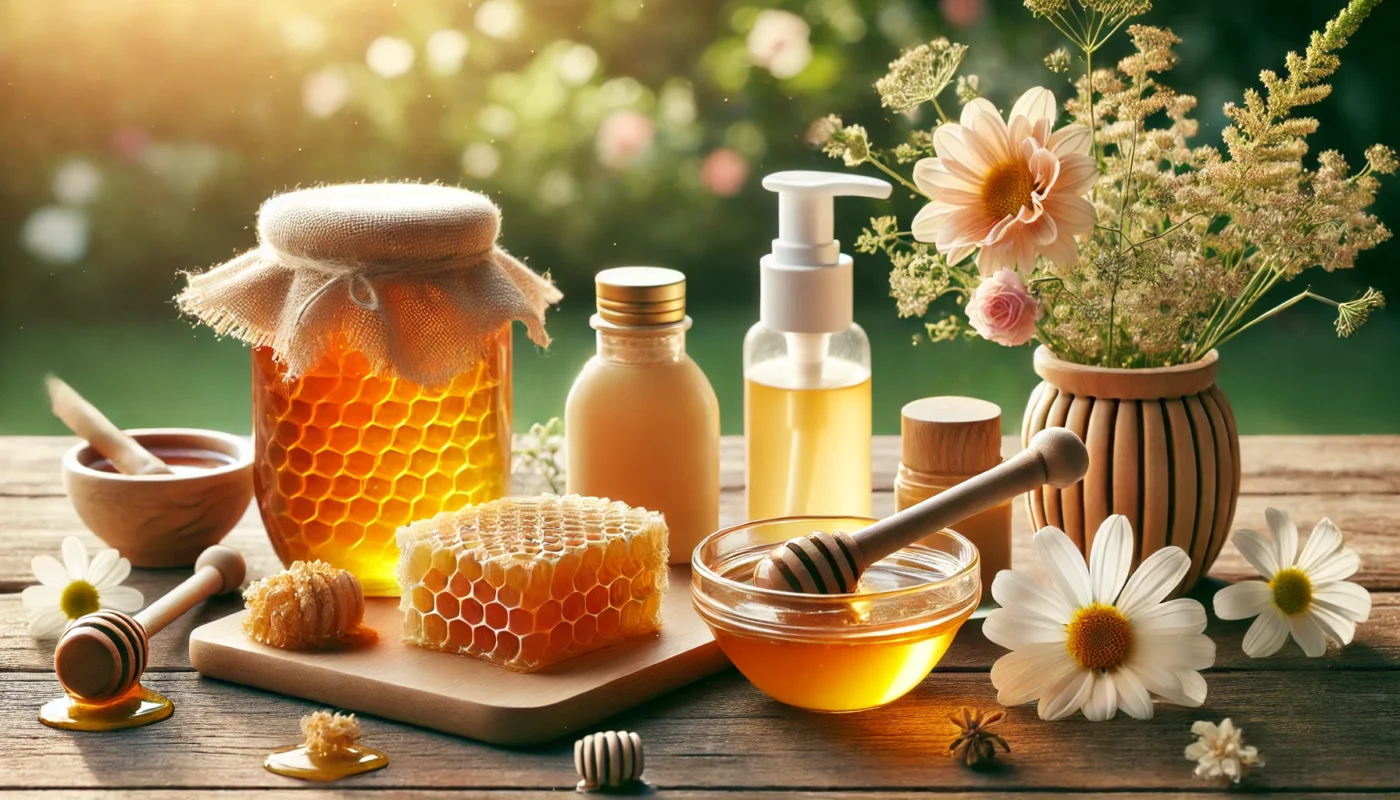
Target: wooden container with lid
column 943, row 442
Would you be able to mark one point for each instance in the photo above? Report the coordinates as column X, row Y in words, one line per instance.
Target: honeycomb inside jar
column 344, row 457
column 527, row 582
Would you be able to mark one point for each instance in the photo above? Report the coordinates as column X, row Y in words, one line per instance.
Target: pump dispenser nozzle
column 805, row 213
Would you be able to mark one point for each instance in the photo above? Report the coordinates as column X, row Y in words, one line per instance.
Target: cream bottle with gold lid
column 641, row 424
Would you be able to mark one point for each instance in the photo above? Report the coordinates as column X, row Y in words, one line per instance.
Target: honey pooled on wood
column 527, row 582
column 329, row 751
column 309, row 605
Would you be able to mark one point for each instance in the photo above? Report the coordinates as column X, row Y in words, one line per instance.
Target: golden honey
column 329, row 751
column 527, row 582
column 344, row 457
column 138, row 707
column 841, row 652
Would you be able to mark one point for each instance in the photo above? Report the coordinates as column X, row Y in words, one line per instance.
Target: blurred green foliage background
column 139, row 137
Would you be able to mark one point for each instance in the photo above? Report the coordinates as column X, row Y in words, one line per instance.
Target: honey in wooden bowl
column 835, row 652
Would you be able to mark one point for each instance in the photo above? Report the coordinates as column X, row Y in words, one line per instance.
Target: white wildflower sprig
column 537, row 457
column 1220, row 752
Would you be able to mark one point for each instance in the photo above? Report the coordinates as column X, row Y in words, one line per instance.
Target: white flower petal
column 1014, row 628
column 40, row 598
column 47, row 624
column 1308, row 634
column 1266, row 635
column 1346, row 598
column 1155, row 578
column 1182, row 615
column 1193, row 689
column 1065, row 565
column 1158, row 680
column 1102, row 703
column 1015, row 589
column 50, row 572
column 1190, row 651
column 1285, row 536
column 1336, row 627
column 951, row 146
column 121, row 598
column 976, row 107
column 1111, row 557
column 100, row 570
column 1036, row 104
column 1243, row 600
column 1023, row 675
column 1336, row 567
column 1070, row 139
column 1322, row 542
column 1132, row 695
column 1066, row 696
column 75, row 558
column 1258, row 550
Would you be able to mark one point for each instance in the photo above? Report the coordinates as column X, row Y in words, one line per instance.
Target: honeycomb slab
column 528, row 582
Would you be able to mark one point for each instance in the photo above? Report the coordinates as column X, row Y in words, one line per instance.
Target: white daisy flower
column 1307, row 593
column 1220, row 752
column 76, row 587
column 1100, row 640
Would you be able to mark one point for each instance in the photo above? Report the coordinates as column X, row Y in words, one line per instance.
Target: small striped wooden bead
column 608, row 760
column 101, row 656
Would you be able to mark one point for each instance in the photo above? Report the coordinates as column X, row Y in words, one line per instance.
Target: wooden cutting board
column 463, row 695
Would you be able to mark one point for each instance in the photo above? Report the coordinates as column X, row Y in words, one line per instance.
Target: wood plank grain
column 1377, row 643
column 30, row 526
column 1272, row 464
column 722, row 733
column 678, row 794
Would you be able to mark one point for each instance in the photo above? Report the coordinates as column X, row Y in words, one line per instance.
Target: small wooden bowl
column 163, row 520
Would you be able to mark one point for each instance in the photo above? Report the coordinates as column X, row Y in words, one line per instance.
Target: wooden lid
column 950, row 435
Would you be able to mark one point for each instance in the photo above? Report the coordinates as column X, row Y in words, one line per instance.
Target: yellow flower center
column 1292, row 590
column 1007, row 189
column 1099, row 637
column 78, row 598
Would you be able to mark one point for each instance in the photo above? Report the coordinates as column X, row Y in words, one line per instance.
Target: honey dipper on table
column 100, row 657
column 832, row 563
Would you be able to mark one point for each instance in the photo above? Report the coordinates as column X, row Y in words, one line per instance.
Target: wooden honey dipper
column 832, row 563
column 102, row 655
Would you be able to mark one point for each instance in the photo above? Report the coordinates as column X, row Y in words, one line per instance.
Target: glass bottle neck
column 641, row 344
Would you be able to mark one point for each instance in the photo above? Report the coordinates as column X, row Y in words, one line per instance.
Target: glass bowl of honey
column 835, row 652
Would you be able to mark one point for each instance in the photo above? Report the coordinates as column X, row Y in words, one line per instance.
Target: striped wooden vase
column 1163, row 451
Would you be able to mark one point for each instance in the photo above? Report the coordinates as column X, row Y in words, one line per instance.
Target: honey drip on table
column 329, row 751
column 300, row 762
column 140, row 706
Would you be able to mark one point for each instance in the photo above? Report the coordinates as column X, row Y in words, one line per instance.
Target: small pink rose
column 1001, row 310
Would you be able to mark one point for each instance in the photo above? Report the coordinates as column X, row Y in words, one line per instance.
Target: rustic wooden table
column 1324, row 725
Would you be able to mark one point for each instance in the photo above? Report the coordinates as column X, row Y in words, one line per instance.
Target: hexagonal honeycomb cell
column 344, row 457
column 528, row 582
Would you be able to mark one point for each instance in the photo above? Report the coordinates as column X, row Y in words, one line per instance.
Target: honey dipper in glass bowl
column 832, row 563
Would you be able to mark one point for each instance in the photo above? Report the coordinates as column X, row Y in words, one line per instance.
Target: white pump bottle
column 806, row 363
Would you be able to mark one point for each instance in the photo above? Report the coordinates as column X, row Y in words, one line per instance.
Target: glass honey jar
column 345, row 457
column 380, row 319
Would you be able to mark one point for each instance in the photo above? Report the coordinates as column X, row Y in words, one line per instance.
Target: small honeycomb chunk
column 528, row 582
column 326, row 734
column 309, row 605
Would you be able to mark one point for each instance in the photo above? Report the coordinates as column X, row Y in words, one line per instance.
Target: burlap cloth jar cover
column 379, row 316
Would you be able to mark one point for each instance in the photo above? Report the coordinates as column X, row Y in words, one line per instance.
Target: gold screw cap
column 641, row 295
